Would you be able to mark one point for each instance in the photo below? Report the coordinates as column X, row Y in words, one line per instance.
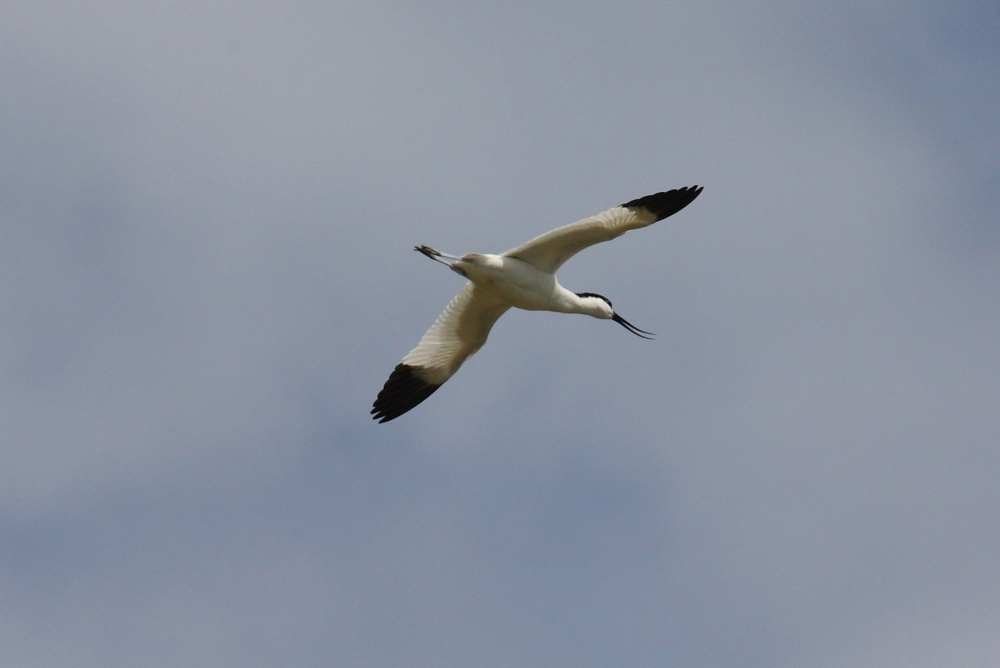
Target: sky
column 207, row 211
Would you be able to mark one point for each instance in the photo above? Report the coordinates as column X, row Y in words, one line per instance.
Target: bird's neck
column 592, row 306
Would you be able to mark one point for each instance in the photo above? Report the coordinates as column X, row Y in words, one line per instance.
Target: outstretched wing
column 549, row 251
column 454, row 337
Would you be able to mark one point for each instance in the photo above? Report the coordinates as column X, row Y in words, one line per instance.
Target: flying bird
column 524, row 277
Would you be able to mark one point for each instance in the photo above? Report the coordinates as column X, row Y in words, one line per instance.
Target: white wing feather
column 549, row 251
column 458, row 333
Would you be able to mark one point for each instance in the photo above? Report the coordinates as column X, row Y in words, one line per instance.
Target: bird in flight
column 524, row 277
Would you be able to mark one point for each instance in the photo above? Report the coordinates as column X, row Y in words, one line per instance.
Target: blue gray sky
column 207, row 211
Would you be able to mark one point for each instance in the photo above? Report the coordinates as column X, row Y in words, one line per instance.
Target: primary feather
column 455, row 336
column 550, row 251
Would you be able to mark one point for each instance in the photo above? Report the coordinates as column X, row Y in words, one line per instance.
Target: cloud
column 206, row 214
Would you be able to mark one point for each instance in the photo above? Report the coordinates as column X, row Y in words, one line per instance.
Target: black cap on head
column 581, row 295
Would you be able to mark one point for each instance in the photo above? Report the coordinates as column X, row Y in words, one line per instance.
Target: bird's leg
column 436, row 255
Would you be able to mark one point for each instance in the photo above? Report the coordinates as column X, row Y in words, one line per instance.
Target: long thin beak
column 632, row 328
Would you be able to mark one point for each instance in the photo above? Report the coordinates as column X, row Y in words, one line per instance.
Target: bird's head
column 599, row 306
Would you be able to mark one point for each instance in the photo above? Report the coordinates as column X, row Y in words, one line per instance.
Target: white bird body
column 517, row 283
column 523, row 277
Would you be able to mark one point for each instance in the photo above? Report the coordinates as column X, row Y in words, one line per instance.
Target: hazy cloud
column 206, row 215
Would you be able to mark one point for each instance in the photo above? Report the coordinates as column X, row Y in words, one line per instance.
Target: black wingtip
column 401, row 393
column 666, row 203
